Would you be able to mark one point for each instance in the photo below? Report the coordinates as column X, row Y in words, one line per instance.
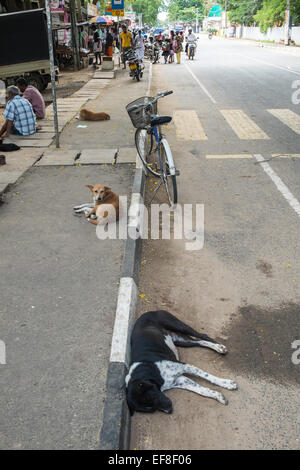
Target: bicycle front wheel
column 144, row 143
column 169, row 180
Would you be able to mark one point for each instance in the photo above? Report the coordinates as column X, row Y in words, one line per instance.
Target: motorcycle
column 149, row 51
column 191, row 50
column 210, row 35
column 135, row 66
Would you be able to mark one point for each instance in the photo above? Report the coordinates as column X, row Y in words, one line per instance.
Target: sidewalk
column 294, row 50
column 59, row 283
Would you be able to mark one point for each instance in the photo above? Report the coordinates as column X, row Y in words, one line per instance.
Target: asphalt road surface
column 238, row 150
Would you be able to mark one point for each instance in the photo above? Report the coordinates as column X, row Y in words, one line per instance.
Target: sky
column 162, row 15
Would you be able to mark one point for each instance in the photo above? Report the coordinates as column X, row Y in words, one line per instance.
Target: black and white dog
column 155, row 365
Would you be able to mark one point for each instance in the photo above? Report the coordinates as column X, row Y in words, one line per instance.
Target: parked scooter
column 191, row 50
column 135, row 65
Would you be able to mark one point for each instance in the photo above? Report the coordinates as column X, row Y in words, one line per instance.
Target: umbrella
column 101, row 20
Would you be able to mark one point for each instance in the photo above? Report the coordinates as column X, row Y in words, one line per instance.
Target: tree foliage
column 243, row 11
column 272, row 13
column 149, row 8
column 265, row 13
column 185, row 10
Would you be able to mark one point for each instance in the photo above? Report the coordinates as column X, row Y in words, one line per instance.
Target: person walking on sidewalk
column 97, row 45
column 126, row 38
column 139, row 45
column 178, row 46
column 20, row 118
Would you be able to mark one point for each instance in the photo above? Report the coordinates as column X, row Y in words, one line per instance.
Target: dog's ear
column 90, row 187
column 107, row 189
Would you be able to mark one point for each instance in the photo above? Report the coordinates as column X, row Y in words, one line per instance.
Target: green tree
column 272, row 13
column 149, row 9
column 185, row 10
column 243, row 11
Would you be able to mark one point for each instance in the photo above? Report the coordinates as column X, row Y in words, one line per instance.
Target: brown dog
column 106, row 205
column 89, row 115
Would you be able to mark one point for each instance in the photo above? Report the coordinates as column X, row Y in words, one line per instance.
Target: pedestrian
column 126, row 38
column 178, row 46
column 97, row 45
column 139, row 46
column 109, row 43
column 32, row 94
column 19, row 115
column 171, row 57
column 166, row 50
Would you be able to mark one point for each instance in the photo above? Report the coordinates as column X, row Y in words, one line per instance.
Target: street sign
column 117, row 12
column 117, row 5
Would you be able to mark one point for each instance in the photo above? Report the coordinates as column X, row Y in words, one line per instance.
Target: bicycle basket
column 138, row 112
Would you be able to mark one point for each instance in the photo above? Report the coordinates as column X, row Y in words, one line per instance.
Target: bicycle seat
column 156, row 120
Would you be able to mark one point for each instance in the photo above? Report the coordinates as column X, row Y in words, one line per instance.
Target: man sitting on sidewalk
column 34, row 97
column 20, row 118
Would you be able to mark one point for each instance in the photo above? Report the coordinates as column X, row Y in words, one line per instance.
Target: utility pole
column 197, row 20
column 74, row 35
column 287, row 23
column 52, row 70
column 225, row 17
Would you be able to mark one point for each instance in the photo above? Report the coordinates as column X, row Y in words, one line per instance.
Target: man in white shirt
column 190, row 38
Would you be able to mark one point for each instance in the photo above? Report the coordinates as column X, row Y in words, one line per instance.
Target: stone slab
column 10, row 177
column 94, row 156
column 58, row 157
column 32, row 142
column 105, row 75
column 127, row 155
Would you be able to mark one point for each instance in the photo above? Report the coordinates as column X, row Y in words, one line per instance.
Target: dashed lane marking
column 242, row 125
column 288, row 117
column 286, row 155
column 188, row 126
column 224, row 157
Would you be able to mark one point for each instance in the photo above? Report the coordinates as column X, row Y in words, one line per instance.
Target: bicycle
column 144, row 117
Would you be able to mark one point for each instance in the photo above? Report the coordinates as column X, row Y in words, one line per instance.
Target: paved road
column 243, row 286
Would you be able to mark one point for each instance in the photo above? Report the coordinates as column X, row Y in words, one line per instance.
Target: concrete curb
column 115, row 431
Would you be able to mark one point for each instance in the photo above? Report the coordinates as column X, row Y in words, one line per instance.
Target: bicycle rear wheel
column 169, row 180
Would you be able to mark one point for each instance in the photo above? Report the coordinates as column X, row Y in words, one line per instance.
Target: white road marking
column 125, row 313
column 293, row 202
column 288, row 117
column 270, row 64
column 242, row 125
column 242, row 155
column 149, row 80
column 201, row 85
column 188, row 127
column 286, row 155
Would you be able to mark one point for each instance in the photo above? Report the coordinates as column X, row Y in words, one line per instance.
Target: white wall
column 273, row 34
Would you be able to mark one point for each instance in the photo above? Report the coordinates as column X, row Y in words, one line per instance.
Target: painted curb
column 115, row 430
